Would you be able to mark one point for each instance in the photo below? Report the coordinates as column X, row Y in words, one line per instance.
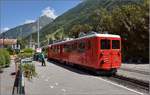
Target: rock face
column 26, row 29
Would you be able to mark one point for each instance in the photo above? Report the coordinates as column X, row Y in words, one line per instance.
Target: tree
column 132, row 21
column 100, row 20
column 76, row 29
column 59, row 33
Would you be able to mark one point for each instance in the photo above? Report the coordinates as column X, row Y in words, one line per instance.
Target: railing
column 19, row 84
column 18, row 88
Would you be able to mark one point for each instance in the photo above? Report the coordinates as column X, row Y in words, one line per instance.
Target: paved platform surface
column 137, row 71
column 7, row 80
column 57, row 80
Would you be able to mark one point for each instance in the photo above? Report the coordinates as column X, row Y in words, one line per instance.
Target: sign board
column 38, row 50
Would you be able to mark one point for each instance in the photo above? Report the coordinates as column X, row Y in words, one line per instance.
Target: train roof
column 89, row 36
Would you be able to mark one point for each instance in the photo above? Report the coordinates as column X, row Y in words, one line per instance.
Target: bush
column 2, row 61
column 7, row 58
column 10, row 50
column 27, row 50
column 29, row 70
column 25, row 55
column 4, row 58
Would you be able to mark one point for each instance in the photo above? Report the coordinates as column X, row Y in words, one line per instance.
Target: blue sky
column 17, row 12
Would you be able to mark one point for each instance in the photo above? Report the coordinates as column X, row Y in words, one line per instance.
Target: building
column 8, row 42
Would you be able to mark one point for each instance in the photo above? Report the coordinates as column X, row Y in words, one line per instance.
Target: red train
column 98, row 52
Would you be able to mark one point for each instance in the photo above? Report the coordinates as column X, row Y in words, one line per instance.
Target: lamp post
column 38, row 40
column 3, row 39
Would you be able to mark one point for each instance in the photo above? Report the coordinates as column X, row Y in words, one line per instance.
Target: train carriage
column 98, row 52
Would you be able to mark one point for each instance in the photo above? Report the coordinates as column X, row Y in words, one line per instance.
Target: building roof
column 8, row 41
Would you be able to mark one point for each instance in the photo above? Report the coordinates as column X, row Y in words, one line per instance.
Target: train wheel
column 113, row 71
column 100, row 72
column 106, row 73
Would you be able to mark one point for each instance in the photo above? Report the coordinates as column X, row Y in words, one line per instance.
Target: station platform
column 62, row 80
column 7, row 80
column 58, row 80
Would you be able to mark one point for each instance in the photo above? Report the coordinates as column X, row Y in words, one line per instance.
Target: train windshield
column 105, row 44
column 115, row 44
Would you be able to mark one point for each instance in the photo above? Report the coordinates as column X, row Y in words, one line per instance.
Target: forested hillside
column 127, row 18
column 25, row 30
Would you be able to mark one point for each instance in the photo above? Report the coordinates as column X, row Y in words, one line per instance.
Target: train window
column 62, row 48
column 54, row 48
column 65, row 48
column 69, row 49
column 81, row 46
column 115, row 44
column 58, row 49
column 105, row 44
column 88, row 45
column 74, row 46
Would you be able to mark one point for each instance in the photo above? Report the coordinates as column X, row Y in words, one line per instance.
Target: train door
column 115, row 53
column 105, row 50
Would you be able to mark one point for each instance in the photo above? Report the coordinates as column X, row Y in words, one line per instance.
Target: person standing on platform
column 42, row 59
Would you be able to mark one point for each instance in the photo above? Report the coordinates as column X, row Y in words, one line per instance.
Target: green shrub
column 4, row 58
column 10, row 50
column 27, row 50
column 7, row 58
column 25, row 55
column 29, row 70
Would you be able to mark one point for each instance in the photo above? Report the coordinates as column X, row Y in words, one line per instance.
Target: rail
column 18, row 88
column 123, row 80
column 136, row 71
column 19, row 84
column 138, row 83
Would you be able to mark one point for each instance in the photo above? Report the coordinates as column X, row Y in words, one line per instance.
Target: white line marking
column 120, row 86
column 63, row 90
column 51, row 86
column 56, row 83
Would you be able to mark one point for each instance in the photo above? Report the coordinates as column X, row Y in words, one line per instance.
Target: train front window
column 115, row 44
column 105, row 44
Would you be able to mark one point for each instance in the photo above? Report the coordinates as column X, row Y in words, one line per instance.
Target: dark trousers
column 43, row 62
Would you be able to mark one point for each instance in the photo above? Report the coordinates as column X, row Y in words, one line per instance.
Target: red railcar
column 98, row 52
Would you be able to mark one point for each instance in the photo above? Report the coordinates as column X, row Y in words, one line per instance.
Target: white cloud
column 6, row 28
column 49, row 12
column 29, row 21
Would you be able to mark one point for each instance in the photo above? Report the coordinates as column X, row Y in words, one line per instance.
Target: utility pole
column 3, row 39
column 38, row 33
column 21, row 33
column 21, row 36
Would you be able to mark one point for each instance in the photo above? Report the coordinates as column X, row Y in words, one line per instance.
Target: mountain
column 26, row 29
column 80, row 15
column 127, row 18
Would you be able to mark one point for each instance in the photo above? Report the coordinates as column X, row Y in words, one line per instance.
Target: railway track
column 129, row 82
column 143, row 86
column 136, row 71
